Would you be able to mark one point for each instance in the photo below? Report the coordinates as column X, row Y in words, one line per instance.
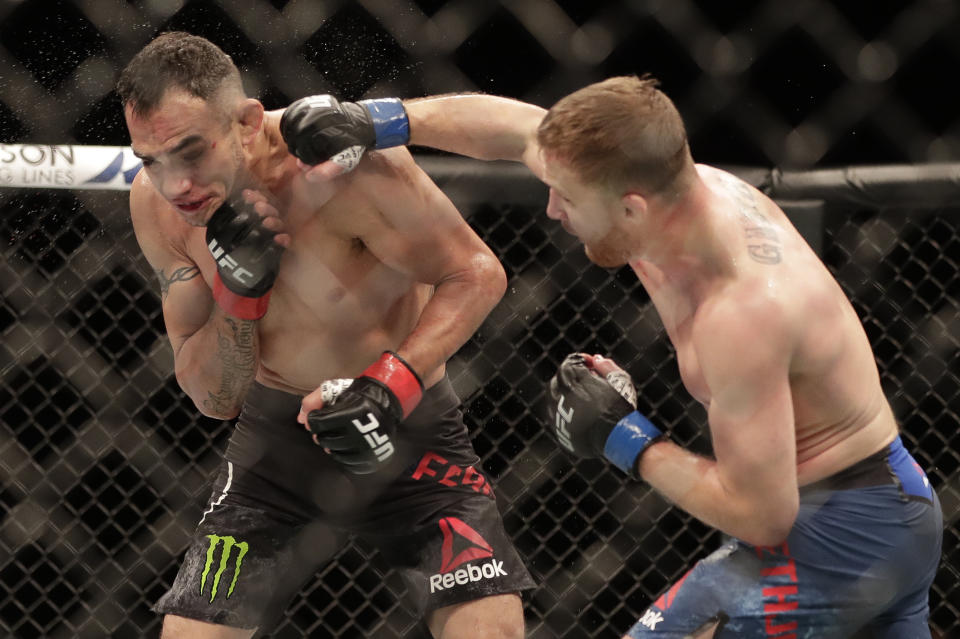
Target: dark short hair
column 176, row 60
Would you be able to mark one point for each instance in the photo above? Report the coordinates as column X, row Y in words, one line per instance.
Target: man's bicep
column 423, row 233
column 185, row 299
column 753, row 435
column 751, row 408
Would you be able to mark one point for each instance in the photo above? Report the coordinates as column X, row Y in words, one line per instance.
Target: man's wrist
column 399, row 378
column 628, row 440
column 239, row 306
column 390, row 123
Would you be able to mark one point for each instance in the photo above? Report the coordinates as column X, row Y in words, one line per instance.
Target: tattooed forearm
column 763, row 243
column 237, row 352
column 182, row 274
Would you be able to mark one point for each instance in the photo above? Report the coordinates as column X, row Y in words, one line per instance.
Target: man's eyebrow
column 184, row 143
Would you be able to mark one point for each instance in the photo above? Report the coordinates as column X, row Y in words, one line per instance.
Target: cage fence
column 104, row 463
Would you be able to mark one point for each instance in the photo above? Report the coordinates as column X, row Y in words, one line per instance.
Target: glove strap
column 394, row 373
column 628, row 439
column 247, row 308
column 390, row 122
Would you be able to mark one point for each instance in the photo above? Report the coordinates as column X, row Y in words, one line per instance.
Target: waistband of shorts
column 892, row 465
column 270, row 404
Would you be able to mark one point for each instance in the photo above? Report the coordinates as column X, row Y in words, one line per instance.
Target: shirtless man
column 335, row 306
column 833, row 525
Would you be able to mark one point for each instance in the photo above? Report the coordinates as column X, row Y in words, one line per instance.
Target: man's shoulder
column 744, row 310
column 156, row 224
column 146, row 203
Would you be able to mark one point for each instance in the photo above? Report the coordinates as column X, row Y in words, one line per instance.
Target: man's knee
column 175, row 627
column 494, row 617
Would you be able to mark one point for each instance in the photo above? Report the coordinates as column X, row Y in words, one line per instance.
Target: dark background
column 104, row 464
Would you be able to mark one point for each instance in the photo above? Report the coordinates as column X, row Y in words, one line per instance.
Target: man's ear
column 250, row 117
column 635, row 205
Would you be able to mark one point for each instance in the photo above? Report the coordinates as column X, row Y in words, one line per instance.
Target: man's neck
column 687, row 248
column 267, row 160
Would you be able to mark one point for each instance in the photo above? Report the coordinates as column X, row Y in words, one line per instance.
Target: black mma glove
column 359, row 418
column 247, row 260
column 319, row 127
column 594, row 417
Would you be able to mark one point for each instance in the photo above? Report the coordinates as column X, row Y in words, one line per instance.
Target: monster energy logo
column 229, row 543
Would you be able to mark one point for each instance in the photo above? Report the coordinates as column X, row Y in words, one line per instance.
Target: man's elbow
column 216, row 412
column 773, row 526
column 204, row 401
column 490, row 278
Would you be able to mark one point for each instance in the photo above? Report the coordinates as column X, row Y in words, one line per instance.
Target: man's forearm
column 481, row 126
column 692, row 482
column 455, row 311
column 217, row 364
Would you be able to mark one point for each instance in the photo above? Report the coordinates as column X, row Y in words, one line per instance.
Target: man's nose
column 177, row 184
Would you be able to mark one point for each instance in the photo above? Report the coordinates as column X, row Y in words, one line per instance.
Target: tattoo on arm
column 182, row 274
column 236, row 349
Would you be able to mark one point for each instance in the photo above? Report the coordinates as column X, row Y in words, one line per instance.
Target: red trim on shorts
column 248, row 308
column 666, row 599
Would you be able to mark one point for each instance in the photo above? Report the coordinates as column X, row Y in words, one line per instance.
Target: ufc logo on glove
column 227, row 263
column 564, row 417
column 380, row 443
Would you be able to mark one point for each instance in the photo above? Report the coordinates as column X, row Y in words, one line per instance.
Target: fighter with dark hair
column 335, row 306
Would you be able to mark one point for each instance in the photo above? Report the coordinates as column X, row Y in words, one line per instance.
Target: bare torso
column 335, row 307
column 840, row 413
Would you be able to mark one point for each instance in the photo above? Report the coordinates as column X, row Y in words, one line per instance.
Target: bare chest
column 334, row 305
column 690, row 371
column 676, row 313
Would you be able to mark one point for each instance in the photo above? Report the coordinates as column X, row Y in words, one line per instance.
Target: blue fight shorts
column 862, row 554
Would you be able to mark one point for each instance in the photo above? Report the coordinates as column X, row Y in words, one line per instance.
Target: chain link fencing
column 104, row 463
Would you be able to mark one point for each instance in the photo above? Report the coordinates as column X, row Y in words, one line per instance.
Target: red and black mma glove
column 592, row 416
column 247, row 260
column 359, row 418
column 319, row 127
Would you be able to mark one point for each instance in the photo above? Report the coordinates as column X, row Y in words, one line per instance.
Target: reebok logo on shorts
column 470, row 546
column 230, row 547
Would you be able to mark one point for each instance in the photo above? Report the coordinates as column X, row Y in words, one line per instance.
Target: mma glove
column 247, row 260
column 592, row 416
column 358, row 421
column 319, row 127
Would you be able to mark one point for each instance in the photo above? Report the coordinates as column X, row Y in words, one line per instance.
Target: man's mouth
column 193, row 205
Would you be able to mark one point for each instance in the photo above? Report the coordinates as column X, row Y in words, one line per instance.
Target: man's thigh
column 852, row 559
column 752, row 593
column 493, row 617
column 175, row 627
column 444, row 533
column 245, row 561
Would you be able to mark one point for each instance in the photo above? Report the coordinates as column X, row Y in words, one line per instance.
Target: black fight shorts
column 280, row 508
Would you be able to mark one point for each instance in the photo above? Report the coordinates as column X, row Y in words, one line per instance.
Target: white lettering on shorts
column 467, row 574
column 651, row 618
